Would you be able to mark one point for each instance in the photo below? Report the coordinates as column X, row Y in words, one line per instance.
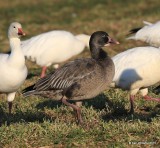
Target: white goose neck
column 15, row 43
column 16, row 57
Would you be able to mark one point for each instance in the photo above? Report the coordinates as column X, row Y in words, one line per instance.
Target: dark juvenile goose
column 79, row 79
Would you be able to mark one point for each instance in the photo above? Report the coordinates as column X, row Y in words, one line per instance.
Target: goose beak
column 20, row 32
column 111, row 41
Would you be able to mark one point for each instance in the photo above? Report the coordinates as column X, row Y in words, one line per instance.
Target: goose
column 53, row 47
column 12, row 66
column 135, row 70
column 150, row 33
column 79, row 79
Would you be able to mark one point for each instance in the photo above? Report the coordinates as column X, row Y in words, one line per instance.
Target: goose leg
column 10, row 107
column 76, row 108
column 10, row 98
column 56, row 66
column 131, row 104
column 43, row 73
column 79, row 103
column 151, row 99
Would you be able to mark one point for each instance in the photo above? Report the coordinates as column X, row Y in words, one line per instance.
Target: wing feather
column 67, row 75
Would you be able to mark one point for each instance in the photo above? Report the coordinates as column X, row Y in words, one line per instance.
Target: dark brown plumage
column 79, row 79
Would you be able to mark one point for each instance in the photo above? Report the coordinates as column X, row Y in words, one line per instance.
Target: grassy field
column 39, row 122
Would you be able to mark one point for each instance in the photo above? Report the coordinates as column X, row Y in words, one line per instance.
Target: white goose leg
column 10, row 98
column 56, row 66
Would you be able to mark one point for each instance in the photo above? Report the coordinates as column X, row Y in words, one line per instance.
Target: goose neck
column 14, row 43
column 97, row 52
column 16, row 57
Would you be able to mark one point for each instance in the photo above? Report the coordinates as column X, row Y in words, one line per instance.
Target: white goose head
column 15, row 30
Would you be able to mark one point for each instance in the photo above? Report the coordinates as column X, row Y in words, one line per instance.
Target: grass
column 38, row 122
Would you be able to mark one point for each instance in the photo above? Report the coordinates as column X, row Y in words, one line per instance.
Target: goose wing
column 149, row 33
column 67, row 75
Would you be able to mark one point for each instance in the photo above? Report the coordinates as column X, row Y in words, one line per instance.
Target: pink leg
column 131, row 104
column 151, row 99
column 76, row 108
column 43, row 73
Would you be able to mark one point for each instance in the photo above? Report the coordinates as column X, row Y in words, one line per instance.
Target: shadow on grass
column 49, row 104
column 20, row 117
column 114, row 110
column 120, row 113
column 31, row 75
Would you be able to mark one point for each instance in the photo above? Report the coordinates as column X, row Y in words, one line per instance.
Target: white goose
column 13, row 70
column 135, row 70
column 150, row 33
column 53, row 47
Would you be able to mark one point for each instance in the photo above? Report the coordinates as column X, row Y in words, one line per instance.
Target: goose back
column 135, row 67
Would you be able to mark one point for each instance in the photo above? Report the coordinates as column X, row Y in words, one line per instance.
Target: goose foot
column 151, row 99
column 75, row 108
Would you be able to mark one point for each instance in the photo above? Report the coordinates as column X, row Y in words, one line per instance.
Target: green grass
column 36, row 121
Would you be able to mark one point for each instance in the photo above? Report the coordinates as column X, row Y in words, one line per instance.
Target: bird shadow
column 114, row 110
column 127, row 78
column 21, row 117
column 99, row 102
column 49, row 104
column 117, row 111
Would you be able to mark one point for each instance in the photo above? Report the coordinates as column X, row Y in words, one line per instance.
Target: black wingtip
column 27, row 89
column 156, row 90
column 132, row 31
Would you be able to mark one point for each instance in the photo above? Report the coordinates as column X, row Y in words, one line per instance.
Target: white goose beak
column 20, row 32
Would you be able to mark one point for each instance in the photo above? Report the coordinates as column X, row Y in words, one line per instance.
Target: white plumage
column 150, row 33
column 54, row 47
column 136, row 69
column 12, row 66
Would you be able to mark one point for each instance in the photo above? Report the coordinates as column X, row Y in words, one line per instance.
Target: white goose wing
column 49, row 42
column 150, row 33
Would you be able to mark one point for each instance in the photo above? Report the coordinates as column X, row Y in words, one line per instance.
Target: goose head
column 15, row 30
column 100, row 39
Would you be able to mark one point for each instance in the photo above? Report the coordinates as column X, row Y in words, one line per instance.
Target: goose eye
column 14, row 27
